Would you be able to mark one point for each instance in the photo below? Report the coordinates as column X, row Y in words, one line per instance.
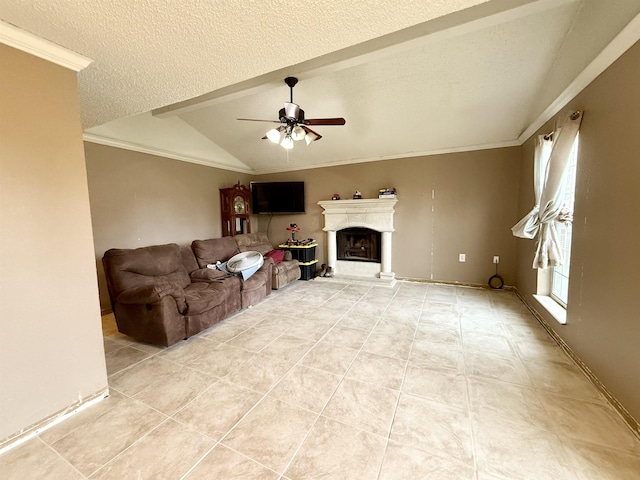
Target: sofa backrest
column 214, row 250
column 255, row 242
column 188, row 259
column 128, row 268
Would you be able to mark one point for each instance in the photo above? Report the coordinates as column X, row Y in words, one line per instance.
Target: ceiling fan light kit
column 275, row 134
column 298, row 133
column 287, row 142
column 308, row 139
column 293, row 125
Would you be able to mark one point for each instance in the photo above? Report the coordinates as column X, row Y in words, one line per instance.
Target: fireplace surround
column 374, row 214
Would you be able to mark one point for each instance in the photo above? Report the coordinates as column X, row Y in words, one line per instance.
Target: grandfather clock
column 234, row 210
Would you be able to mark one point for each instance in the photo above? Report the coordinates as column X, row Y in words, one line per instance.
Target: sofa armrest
column 153, row 294
column 267, row 267
column 207, row 275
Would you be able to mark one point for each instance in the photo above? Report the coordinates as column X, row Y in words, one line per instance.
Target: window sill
column 554, row 309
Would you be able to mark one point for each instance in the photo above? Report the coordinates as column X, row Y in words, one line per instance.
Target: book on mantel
column 387, row 193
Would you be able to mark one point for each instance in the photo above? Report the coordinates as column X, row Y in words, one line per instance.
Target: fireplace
column 358, row 245
column 359, row 216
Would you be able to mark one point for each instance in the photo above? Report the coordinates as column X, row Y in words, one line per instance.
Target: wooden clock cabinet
column 235, row 209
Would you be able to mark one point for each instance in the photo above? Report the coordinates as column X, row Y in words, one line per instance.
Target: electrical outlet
column 462, row 257
column 496, row 259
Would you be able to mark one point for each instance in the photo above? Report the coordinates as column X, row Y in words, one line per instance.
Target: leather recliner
column 155, row 300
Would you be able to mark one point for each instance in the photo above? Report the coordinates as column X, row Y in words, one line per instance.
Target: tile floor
column 331, row 380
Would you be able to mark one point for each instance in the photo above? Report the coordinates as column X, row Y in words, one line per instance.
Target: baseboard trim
column 37, row 428
column 440, row 282
column 486, row 286
column 631, row 422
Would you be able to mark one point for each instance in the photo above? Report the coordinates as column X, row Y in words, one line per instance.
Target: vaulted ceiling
column 410, row 77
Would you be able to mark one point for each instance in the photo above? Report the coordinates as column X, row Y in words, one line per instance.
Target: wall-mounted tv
column 277, row 197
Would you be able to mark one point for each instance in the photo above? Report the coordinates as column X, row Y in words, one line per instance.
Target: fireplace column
column 332, row 249
column 385, row 265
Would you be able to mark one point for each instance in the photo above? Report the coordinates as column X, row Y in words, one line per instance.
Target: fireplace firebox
column 359, row 244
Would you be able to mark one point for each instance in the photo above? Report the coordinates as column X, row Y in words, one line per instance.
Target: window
column 560, row 274
column 554, row 181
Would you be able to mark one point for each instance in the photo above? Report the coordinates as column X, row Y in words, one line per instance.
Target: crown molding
column 158, row 152
column 111, row 142
column 27, row 42
column 427, row 153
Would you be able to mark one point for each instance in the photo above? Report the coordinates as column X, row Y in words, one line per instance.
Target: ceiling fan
column 293, row 125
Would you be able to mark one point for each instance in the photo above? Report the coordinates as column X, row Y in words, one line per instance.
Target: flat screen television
column 277, row 197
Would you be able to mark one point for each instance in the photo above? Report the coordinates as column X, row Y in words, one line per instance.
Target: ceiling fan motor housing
column 291, row 113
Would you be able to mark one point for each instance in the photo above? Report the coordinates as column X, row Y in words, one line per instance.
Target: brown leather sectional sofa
column 162, row 294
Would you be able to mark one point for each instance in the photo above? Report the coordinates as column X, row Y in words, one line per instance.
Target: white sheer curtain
column 551, row 160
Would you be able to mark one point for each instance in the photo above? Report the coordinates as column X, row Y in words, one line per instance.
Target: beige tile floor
column 331, row 380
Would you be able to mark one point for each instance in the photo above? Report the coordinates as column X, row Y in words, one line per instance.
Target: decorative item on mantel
column 387, row 193
column 336, row 196
column 357, row 195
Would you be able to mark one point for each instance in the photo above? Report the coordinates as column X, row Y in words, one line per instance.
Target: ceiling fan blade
column 256, row 120
column 315, row 134
column 325, row 121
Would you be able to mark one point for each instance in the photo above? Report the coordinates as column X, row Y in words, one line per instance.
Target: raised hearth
column 375, row 214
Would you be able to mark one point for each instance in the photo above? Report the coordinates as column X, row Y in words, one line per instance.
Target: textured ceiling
column 410, row 77
column 166, row 51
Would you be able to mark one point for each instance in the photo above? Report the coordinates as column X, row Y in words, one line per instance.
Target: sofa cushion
column 256, row 281
column 208, row 275
column 214, row 250
column 158, row 264
column 202, row 296
column 188, row 259
column 257, row 242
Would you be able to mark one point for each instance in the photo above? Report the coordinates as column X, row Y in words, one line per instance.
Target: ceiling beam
column 455, row 24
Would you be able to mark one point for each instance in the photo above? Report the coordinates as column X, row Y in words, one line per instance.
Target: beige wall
column 51, row 351
column 139, row 200
column 473, row 207
column 603, row 324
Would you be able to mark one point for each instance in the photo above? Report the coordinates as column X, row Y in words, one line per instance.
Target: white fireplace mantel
column 376, row 214
column 373, row 213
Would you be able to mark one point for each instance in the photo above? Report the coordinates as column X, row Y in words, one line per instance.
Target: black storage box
column 303, row 254
column 308, row 270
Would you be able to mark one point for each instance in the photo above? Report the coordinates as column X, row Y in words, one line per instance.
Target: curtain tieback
column 529, row 225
